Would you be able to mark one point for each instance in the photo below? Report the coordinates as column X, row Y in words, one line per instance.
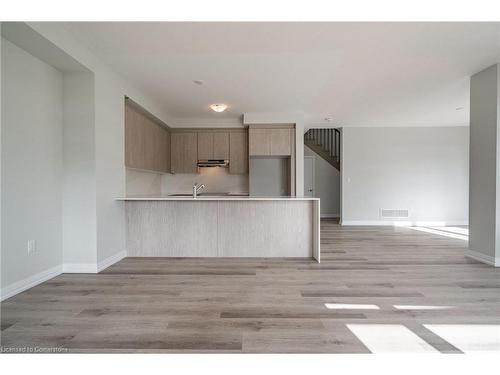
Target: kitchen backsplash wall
column 216, row 180
column 142, row 182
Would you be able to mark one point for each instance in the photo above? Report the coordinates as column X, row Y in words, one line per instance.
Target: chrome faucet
column 196, row 189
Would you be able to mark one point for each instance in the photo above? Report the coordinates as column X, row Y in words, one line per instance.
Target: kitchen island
column 222, row 226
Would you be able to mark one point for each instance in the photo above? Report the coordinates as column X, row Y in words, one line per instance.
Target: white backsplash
column 216, row 180
column 142, row 182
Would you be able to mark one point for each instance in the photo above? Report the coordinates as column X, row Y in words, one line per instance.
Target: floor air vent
column 393, row 214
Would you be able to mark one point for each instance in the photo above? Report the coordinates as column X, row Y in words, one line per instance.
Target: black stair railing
column 325, row 142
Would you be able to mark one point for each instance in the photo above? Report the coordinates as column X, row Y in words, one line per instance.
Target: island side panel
column 316, row 230
column 278, row 228
column 171, row 229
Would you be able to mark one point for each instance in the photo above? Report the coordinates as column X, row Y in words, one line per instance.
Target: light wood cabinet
column 147, row 143
column 184, row 152
column 168, row 147
column 134, row 139
column 161, row 149
column 259, row 142
column 281, row 142
column 213, row 145
column 238, row 152
column 205, row 145
column 150, row 148
column 221, row 145
column 270, row 142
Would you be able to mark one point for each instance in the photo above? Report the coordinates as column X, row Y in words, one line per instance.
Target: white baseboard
column 329, row 216
column 93, row 267
column 79, row 268
column 374, row 222
column 483, row 258
column 30, row 282
column 111, row 260
column 404, row 223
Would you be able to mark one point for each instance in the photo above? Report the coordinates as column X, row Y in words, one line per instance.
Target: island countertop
column 209, row 197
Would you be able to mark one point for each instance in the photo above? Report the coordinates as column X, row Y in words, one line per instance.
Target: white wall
column 269, row 176
column 110, row 162
column 79, row 186
column 1, row 169
column 424, row 170
column 32, row 164
column 40, row 174
column 216, row 180
column 484, row 232
column 110, row 90
column 326, row 185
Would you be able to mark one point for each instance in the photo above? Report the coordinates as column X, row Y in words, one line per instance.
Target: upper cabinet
column 238, row 152
column 147, row 143
column 270, row 141
column 259, row 142
column 205, row 145
column 281, row 142
column 189, row 146
column 184, row 152
column 150, row 146
column 213, row 145
column 221, row 145
column 134, row 139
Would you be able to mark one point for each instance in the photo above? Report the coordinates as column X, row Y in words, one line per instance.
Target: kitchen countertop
column 234, row 197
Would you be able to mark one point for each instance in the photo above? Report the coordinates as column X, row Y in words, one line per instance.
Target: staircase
column 326, row 143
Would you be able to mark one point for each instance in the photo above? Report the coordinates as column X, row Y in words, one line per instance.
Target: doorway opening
column 322, row 169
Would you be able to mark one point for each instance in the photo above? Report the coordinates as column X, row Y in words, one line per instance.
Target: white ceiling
column 360, row 74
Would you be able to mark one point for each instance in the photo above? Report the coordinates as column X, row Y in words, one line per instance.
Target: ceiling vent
column 393, row 214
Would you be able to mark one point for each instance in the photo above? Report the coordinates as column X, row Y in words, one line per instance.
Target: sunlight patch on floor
column 422, row 307
column 456, row 230
column 390, row 338
column 353, row 306
column 443, row 231
column 469, row 338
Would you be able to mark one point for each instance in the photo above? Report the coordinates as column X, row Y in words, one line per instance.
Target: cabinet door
column 259, row 142
column 220, row 146
column 238, row 152
column 162, row 149
column 176, row 146
column 205, row 145
column 167, row 151
column 150, row 144
column 134, row 139
column 190, row 153
column 157, row 151
column 184, row 152
column 280, row 140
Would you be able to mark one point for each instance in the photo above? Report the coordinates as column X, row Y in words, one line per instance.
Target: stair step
column 324, row 154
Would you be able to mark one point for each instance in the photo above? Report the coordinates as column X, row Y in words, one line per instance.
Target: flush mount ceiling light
column 218, row 107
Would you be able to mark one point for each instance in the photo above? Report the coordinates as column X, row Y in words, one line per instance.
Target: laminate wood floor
column 261, row 305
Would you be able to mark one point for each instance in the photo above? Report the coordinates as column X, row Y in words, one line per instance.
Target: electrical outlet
column 31, row 246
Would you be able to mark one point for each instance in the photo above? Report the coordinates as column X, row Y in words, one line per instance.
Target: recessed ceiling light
column 198, row 81
column 329, row 119
column 218, row 107
column 459, row 108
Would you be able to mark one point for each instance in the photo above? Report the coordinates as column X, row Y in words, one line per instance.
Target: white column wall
column 484, row 211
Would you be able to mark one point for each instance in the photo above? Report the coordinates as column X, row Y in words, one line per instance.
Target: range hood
column 213, row 163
